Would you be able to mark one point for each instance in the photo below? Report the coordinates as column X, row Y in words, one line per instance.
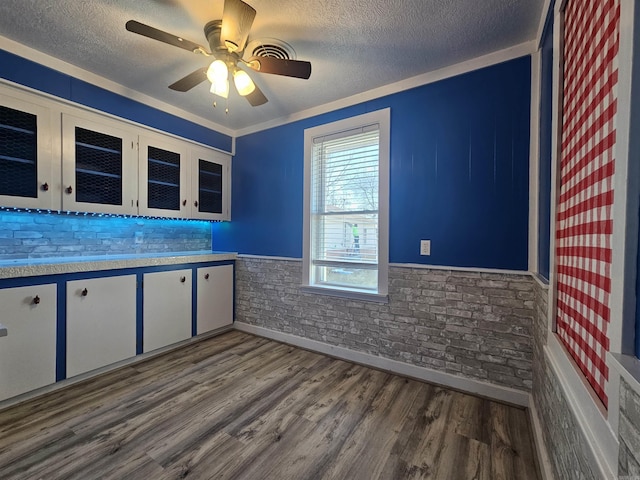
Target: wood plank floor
column 243, row 407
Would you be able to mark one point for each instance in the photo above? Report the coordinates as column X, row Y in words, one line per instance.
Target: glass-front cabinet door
column 163, row 177
column 211, row 184
column 99, row 167
column 27, row 177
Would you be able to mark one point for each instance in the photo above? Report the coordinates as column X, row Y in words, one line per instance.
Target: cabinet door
column 99, row 167
column 28, row 352
column 215, row 298
column 166, row 308
column 211, row 185
column 27, row 177
column 163, row 175
column 101, row 322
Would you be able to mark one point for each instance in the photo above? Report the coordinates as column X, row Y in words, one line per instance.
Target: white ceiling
column 353, row 45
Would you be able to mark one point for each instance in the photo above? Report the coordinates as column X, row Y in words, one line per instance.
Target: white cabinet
column 214, row 297
column 101, row 322
column 28, row 352
column 27, row 175
column 166, row 308
column 163, row 184
column 99, row 166
column 211, row 184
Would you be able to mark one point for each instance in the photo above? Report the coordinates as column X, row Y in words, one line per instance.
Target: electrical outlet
column 425, row 247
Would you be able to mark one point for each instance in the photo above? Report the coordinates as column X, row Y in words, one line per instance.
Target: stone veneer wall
column 565, row 443
column 43, row 235
column 629, row 432
column 470, row 324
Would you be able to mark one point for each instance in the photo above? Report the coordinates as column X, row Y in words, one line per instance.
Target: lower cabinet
column 28, row 352
column 101, row 322
column 166, row 311
column 215, row 298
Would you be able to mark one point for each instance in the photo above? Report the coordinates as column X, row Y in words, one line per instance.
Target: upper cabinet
column 27, row 177
column 211, row 185
column 99, row 167
column 59, row 157
column 163, row 183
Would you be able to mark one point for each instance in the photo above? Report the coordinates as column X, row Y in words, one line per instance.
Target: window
column 346, row 206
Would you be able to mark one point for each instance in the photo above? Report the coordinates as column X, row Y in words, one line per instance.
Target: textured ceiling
column 353, row 45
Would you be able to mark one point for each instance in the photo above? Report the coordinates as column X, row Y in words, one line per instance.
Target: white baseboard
column 475, row 387
column 544, row 461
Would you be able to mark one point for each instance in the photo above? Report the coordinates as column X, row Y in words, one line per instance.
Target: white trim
column 382, row 118
column 345, row 293
column 460, row 269
column 267, row 257
column 626, row 186
column 410, row 265
column 555, row 161
column 488, row 60
column 628, row 367
column 589, row 412
column 102, row 82
column 68, row 382
column 534, row 160
column 548, row 4
column 475, row 387
column 541, row 281
column 544, row 461
column 63, row 105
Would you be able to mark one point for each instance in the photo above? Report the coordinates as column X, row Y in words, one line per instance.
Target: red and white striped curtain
column 587, row 162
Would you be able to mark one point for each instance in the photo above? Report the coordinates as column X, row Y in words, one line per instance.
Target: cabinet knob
column 45, row 187
column 195, row 204
column 69, row 189
column 183, row 279
column 206, row 276
column 184, row 203
column 36, row 300
column 84, row 292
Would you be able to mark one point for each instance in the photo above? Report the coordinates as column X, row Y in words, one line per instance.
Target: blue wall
column 544, row 172
column 44, row 79
column 459, row 174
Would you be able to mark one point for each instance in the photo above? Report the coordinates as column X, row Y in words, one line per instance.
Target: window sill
column 349, row 294
column 628, row 367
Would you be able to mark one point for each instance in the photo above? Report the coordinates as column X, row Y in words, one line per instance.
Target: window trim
column 383, row 119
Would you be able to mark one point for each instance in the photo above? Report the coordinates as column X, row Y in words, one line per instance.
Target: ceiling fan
column 227, row 40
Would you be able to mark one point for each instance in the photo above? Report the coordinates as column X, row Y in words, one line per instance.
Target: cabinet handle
column 206, row 276
column 184, row 203
column 36, row 300
column 195, row 204
column 69, row 189
column 84, row 292
column 183, row 279
column 45, row 187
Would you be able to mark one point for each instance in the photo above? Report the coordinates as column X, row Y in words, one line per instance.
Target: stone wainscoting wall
column 469, row 324
column 629, row 432
column 52, row 235
column 566, row 446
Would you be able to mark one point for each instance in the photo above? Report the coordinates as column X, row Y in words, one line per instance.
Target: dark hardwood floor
column 242, row 407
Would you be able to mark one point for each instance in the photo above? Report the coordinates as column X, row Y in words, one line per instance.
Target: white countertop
column 31, row 267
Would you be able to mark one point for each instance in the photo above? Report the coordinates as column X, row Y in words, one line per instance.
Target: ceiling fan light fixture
column 243, row 83
column 218, row 72
column 220, row 88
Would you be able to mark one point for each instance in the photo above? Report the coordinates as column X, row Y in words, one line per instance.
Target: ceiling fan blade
column 190, row 81
column 279, row 66
column 256, row 98
column 155, row 34
column 237, row 18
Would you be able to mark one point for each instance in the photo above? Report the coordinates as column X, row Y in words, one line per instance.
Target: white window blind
column 345, row 179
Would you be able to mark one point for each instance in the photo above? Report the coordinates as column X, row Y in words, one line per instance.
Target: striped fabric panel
column 587, row 163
